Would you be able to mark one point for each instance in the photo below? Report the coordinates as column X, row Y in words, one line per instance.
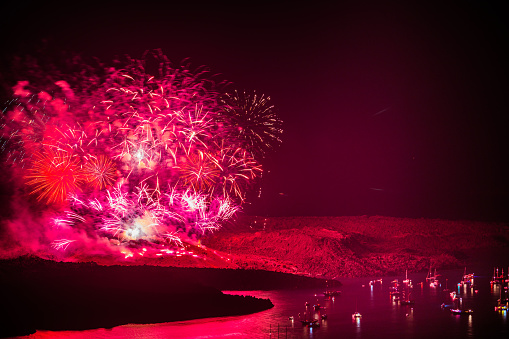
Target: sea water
column 382, row 316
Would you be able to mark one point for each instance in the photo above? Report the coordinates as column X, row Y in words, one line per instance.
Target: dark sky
column 389, row 109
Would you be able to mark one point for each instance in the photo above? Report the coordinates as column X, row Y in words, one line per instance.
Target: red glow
column 142, row 157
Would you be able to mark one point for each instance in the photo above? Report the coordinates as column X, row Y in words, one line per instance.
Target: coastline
column 43, row 294
column 253, row 254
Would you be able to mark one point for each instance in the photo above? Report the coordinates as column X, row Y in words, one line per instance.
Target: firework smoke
column 124, row 156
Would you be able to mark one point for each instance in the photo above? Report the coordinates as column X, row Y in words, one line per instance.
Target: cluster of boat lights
column 144, row 252
column 133, row 254
column 400, row 292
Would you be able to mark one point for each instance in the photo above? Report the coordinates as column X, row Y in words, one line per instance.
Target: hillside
column 323, row 247
column 333, row 247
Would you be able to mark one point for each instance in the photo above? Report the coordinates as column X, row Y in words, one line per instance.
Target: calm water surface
column 381, row 316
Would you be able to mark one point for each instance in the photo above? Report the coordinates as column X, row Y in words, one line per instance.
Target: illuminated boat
column 331, row 293
column 497, row 278
column 395, row 296
column 314, row 324
column 460, row 311
column 407, row 281
column 310, row 323
column 468, row 279
column 356, row 314
column 433, row 279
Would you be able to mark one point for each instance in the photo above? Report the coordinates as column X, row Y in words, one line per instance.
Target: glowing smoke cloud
column 157, row 158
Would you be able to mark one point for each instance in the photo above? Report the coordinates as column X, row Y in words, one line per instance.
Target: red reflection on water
column 265, row 324
column 381, row 318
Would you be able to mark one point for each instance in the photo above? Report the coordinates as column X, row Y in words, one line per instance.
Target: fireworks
column 254, row 120
column 155, row 157
column 61, row 244
column 100, row 172
column 53, row 175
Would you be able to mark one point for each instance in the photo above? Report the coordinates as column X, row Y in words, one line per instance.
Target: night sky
column 394, row 110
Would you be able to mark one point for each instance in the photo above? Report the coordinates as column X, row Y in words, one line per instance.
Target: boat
column 331, row 293
column 395, row 287
column 356, row 314
column 406, row 298
column 317, row 307
column 497, row 278
column 310, row 323
column 503, row 300
column 468, row 279
column 406, row 294
column 432, row 279
column 324, row 316
column 460, row 311
column 407, row 281
column 314, row 324
column 429, row 277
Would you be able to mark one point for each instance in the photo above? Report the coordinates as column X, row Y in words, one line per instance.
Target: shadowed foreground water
column 381, row 316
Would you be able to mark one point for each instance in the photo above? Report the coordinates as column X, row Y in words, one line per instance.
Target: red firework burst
column 100, row 172
column 200, row 171
column 54, row 175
